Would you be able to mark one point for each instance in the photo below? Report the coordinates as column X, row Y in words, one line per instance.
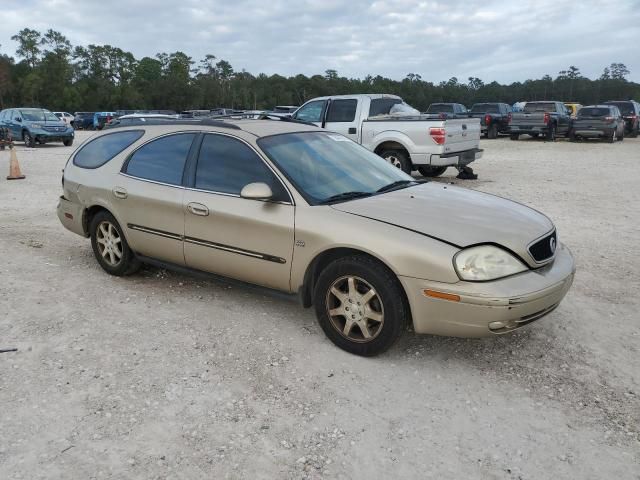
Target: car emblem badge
column 552, row 245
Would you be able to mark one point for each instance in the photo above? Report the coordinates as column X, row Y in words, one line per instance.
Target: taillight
column 487, row 119
column 546, row 117
column 438, row 135
column 509, row 118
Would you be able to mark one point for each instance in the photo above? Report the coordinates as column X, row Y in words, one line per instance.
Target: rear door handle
column 198, row 209
column 119, row 192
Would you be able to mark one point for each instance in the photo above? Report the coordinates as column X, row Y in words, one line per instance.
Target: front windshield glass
column 38, row 115
column 324, row 166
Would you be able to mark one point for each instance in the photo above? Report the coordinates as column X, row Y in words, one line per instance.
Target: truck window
column 594, row 112
column 382, row 106
column 540, row 107
column 342, row 110
column 311, row 112
column 440, row 108
column 485, row 108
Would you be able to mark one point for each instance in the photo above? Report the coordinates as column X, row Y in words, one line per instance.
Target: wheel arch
column 324, row 258
column 391, row 145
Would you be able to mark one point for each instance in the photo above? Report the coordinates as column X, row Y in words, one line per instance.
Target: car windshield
column 38, row 115
column 626, row 108
column 593, row 112
column 485, row 108
column 327, row 167
column 540, row 107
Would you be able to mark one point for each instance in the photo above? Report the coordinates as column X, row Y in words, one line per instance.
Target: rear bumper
column 506, row 304
column 71, row 216
column 528, row 129
column 448, row 159
column 593, row 133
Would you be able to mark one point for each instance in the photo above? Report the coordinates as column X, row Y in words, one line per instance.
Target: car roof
column 359, row 95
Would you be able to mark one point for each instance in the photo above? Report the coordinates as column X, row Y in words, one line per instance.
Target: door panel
column 248, row 240
column 152, row 216
column 342, row 117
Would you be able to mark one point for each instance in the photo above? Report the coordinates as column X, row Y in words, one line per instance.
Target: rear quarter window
column 99, row 151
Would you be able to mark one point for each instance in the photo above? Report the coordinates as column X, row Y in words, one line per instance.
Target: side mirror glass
column 256, row 191
column 18, row 119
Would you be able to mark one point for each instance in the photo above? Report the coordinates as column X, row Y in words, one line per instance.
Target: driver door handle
column 198, row 209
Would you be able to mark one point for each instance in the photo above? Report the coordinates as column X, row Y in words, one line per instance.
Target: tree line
column 48, row 71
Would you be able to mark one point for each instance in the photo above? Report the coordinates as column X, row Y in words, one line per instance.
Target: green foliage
column 54, row 74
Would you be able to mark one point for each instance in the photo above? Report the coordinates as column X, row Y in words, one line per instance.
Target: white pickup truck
column 425, row 143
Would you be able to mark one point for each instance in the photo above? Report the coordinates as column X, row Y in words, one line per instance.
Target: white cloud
column 490, row 39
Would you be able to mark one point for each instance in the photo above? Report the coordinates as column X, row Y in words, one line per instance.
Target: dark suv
column 630, row 110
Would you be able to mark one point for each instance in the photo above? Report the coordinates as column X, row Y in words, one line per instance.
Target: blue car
column 100, row 119
column 36, row 125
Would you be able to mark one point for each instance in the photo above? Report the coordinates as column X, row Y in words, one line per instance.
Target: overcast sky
column 493, row 40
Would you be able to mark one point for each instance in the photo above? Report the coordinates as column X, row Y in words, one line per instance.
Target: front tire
column 110, row 247
column 68, row 143
column 514, row 136
column 429, row 171
column 398, row 159
column 360, row 305
column 29, row 140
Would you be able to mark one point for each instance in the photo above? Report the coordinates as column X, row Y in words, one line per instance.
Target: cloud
column 490, row 39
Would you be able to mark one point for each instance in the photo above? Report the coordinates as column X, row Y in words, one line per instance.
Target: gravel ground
column 167, row 376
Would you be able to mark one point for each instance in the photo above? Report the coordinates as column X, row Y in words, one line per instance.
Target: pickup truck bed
column 541, row 118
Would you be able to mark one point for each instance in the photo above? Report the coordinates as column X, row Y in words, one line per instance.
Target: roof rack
column 138, row 121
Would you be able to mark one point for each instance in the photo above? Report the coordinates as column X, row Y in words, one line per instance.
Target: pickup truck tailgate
column 461, row 134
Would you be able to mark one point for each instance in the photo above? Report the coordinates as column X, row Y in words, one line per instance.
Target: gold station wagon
column 295, row 208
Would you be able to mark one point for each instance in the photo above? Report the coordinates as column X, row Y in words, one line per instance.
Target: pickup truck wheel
column 492, row 132
column 360, row 305
column 429, row 171
column 514, row 136
column 398, row 159
column 551, row 133
column 29, row 140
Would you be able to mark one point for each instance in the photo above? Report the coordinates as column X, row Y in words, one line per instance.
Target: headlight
column 486, row 262
column 36, row 125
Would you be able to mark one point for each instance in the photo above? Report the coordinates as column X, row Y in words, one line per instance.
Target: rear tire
column 612, row 138
column 572, row 135
column 534, row 135
column 365, row 290
column 429, row 171
column 110, row 247
column 492, row 132
column 634, row 133
column 398, row 159
column 514, row 136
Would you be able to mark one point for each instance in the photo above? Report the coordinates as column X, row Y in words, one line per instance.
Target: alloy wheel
column 395, row 161
column 355, row 309
column 109, row 243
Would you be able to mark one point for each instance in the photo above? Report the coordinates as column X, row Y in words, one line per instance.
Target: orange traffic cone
column 14, row 167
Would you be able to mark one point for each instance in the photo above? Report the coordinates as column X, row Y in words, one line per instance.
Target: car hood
column 457, row 216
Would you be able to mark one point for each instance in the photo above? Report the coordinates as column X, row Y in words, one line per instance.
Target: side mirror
column 256, row 191
column 18, row 119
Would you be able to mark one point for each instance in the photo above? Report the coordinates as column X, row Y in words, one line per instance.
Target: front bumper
column 47, row 136
column 513, row 301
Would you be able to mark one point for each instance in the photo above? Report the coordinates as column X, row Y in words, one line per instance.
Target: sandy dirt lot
column 167, row 376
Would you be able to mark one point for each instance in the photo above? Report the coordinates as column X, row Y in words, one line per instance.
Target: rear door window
column 161, row 160
column 99, row 151
column 342, row 110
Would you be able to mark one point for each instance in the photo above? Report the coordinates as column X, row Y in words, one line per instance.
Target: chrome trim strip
column 205, row 243
column 150, row 181
column 541, row 237
column 239, row 251
column 153, row 231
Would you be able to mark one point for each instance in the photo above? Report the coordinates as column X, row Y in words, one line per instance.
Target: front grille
column 54, row 129
column 544, row 248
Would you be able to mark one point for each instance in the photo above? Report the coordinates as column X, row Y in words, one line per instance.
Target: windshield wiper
column 396, row 185
column 345, row 196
